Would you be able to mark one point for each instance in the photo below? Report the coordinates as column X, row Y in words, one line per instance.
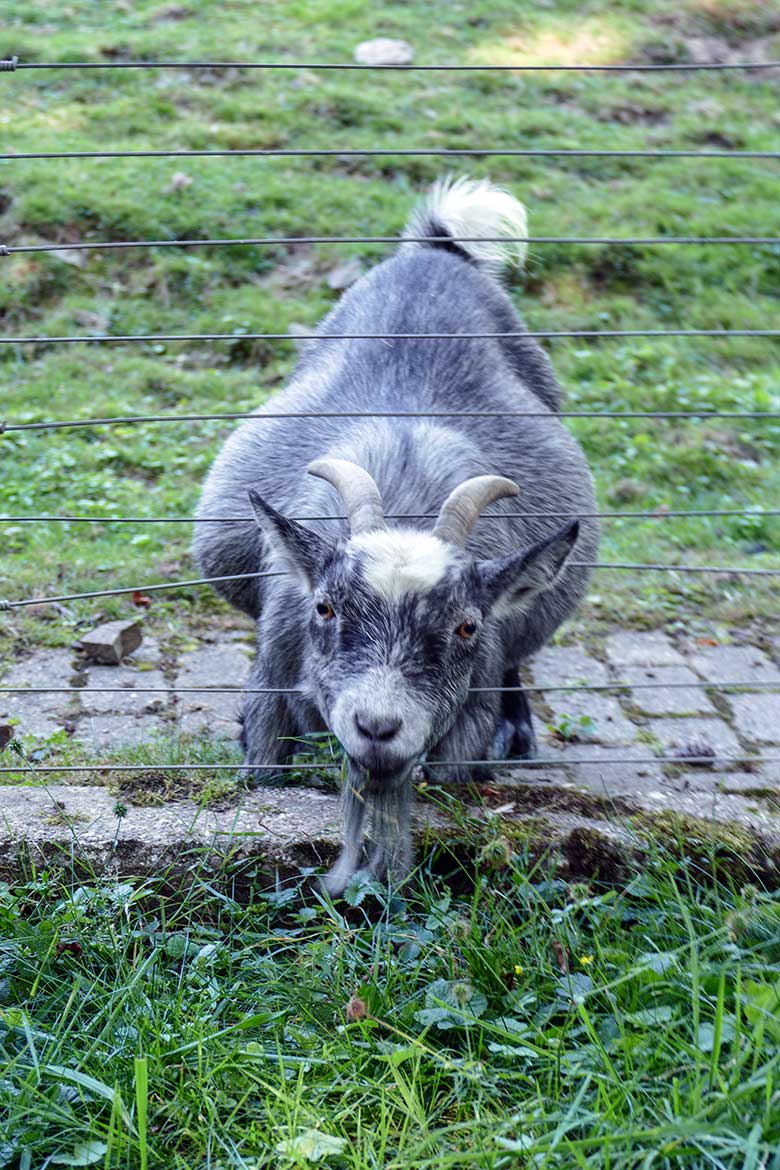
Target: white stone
column 384, row 51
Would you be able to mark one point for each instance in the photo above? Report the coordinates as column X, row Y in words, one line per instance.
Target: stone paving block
column 603, row 770
column 541, row 774
column 770, row 768
column 663, row 698
column 642, row 649
column 749, row 783
column 223, row 723
column 111, row 731
column 212, row 666
column 147, row 652
column 129, row 701
column 610, row 724
column 38, row 714
column 694, row 733
column 757, row 716
column 565, row 665
column 738, row 664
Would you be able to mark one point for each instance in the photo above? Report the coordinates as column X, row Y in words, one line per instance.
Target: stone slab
column 757, row 717
column 737, row 664
column 128, row 701
column 689, row 731
column 212, row 666
column 642, row 649
column 116, row 730
column 567, row 665
column 38, row 715
column 661, row 692
column 611, row 770
column 283, row 829
column 271, row 822
column 610, row 724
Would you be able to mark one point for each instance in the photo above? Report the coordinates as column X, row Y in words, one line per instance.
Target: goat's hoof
column 502, row 740
column 336, row 880
column 523, row 745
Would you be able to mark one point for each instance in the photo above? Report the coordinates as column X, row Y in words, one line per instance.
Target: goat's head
column 399, row 617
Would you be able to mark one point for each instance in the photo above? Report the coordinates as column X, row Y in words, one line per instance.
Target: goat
column 389, row 635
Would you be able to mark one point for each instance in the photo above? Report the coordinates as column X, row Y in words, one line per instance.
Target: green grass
column 156, row 470
column 519, row 1021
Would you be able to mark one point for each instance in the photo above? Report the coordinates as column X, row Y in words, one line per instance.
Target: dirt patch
column 716, row 32
column 631, row 114
column 157, row 788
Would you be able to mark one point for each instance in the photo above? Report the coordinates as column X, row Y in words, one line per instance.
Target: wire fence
column 547, row 334
column 294, row 241
column 616, row 761
column 702, row 413
column 390, row 152
column 756, row 513
column 12, row 64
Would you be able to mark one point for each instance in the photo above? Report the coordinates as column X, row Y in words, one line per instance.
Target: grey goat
column 388, row 634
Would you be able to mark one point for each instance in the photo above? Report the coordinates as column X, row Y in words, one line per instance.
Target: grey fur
column 416, row 464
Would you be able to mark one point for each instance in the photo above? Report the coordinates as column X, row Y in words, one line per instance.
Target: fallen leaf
column 561, row 956
column 70, row 947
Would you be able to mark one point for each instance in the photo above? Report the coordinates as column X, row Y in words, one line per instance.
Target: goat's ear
column 303, row 551
column 513, row 580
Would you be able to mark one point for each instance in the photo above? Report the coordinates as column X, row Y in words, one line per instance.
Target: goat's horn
column 463, row 506
column 357, row 489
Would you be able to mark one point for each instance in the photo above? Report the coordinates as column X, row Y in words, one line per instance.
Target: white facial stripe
column 403, row 561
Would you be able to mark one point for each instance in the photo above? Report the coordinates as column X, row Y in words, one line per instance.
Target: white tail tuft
column 469, row 209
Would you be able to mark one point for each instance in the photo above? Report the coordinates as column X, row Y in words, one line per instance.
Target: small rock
column 345, row 274
column 112, row 642
column 627, row 490
column 66, row 256
column 179, row 182
column 89, row 320
column 384, row 51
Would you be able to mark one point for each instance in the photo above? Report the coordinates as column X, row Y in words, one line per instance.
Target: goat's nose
column 376, row 727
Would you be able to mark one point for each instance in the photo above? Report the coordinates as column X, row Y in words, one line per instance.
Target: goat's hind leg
column 515, row 738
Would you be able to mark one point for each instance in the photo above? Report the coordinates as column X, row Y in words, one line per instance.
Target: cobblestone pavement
column 605, row 753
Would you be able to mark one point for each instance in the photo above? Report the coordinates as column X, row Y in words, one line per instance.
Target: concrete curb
column 282, row 829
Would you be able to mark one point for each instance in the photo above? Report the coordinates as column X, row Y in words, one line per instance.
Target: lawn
column 500, row 1016
column 155, row 470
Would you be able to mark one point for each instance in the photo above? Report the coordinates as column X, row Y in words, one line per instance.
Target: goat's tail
column 480, row 221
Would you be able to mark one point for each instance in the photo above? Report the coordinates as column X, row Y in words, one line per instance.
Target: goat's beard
column 382, row 774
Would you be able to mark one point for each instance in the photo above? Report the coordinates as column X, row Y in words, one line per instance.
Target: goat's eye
column 325, row 610
column 466, row 630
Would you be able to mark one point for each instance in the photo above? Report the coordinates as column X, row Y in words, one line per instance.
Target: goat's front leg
column 267, row 729
column 391, row 833
column 353, row 798
column 470, row 738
